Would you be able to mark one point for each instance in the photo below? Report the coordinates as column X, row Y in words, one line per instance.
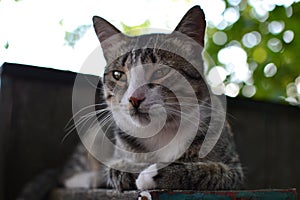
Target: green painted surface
column 289, row 194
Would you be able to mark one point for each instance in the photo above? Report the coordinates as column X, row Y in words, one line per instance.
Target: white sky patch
column 213, row 10
column 35, row 36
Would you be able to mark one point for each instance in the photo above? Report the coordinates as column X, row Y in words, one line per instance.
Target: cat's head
column 147, row 72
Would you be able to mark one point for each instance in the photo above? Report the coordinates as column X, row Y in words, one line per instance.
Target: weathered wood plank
column 96, row 194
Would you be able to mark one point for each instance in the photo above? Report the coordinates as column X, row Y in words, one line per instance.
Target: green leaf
column 6, row 46
column 135, row 30
column 72, row 37
column 61, row 22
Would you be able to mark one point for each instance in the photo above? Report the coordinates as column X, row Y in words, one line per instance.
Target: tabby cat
column 150, row 79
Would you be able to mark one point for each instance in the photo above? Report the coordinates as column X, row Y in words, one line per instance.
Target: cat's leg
column 191, row 176
column 83, row 171
column 122, row 175
column 88, row 180
column 121, row 180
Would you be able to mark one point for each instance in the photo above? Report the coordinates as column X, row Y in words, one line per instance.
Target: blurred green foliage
column 72, row 37
column 135, row 30
column 283, row 85
column 6, row 46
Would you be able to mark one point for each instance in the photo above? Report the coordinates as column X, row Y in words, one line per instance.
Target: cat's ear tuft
column 193, row 25
column 104, row 29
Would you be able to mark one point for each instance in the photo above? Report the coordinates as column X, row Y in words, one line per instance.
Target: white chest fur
column 171, row 143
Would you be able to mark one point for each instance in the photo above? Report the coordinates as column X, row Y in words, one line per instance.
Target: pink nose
column 136, row 102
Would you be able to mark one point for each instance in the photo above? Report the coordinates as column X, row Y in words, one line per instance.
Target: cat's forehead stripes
column 140, row 56
column 133, row 57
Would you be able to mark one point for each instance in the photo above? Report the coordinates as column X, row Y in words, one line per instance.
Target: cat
column 156, row 108
column 143, row 74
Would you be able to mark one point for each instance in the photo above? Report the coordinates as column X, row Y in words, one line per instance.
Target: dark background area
column 36, row 104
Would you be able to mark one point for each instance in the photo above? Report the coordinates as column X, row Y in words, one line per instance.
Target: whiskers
column 87, row 115
column 183, row 107
column 192, row 103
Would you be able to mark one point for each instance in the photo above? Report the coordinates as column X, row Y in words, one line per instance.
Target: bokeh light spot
column 219, row 38
column 291, row 100
column 232, row 54
column 288, row 36
column 231, row 15
column 216, row 75
column 222, row 25
column 291, row 90
column 234, row 2
column 218, row 89
column 275, row 45
column 289, row 11
column 297, row 82
column 232, row 89
column 251, row 39
column 259, row 55
column 253, row 65
column 270, row 70
column 249, row 91
column 276, row 27
column 235, row 60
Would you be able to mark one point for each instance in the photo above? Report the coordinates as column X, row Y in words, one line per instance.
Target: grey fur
column 219, row 170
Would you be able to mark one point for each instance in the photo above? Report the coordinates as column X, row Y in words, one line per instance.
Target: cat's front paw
column 81, row 180
column 145, row 179
column 121, row 180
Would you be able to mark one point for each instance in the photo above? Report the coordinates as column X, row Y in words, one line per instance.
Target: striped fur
column 219, row 170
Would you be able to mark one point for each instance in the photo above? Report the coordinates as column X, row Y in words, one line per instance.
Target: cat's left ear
column 193, row 25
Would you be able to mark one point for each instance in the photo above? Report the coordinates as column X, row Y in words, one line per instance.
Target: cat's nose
column 136, row 102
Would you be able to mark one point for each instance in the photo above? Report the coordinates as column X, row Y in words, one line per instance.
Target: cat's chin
column 140, row 119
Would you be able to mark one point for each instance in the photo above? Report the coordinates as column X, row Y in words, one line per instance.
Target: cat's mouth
column 141, row 117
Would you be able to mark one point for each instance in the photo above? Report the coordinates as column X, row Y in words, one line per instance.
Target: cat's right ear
column 104, row 29
column 107, row 34
column 193, row 25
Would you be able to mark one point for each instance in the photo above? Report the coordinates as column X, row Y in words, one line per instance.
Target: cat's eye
column 161, row 73
column 118, row 75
